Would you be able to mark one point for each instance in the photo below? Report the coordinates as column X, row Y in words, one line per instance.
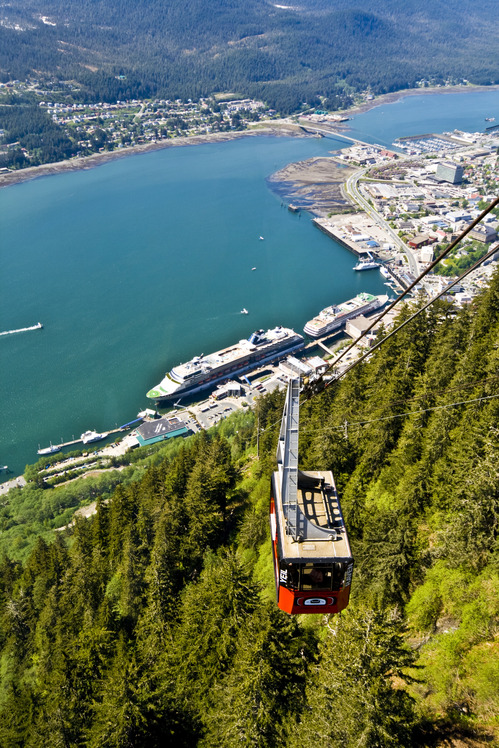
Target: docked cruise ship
column 205, row 371
column 333, row 318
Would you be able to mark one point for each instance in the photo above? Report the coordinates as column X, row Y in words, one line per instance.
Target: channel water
column 146, row 261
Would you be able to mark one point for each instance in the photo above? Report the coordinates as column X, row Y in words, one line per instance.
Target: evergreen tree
column 353, row 698
column 255, row 701
column 213, row 611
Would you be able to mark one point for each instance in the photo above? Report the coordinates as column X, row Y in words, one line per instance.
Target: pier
column 38, row 326
column 325, row 348
column 57, row 447
column 324, row 225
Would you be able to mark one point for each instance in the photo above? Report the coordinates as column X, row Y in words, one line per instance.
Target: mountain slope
column 255, row 47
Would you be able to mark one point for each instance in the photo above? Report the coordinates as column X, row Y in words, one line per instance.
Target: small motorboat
column 48, row 450
column 92, row 436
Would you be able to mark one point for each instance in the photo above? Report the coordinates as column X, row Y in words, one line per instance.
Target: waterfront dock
column 324, row 347
column 57, row 447
column 325, row 226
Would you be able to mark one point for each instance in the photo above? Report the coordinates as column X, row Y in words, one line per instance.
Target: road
column 352, row 189
column 333, row 133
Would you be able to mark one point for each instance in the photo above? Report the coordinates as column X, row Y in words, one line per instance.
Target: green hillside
column 153, row 622
column 284, row 53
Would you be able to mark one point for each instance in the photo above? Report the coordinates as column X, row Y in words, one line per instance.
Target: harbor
column 236, row 390
column 102, row 347
column 361, row 236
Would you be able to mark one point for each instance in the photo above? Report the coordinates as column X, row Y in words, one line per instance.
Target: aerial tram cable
column 316, row 386
column 410, row 319
column 319, row 384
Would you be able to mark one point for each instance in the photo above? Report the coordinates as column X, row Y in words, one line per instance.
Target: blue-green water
column 421, row 114
column 146, row 261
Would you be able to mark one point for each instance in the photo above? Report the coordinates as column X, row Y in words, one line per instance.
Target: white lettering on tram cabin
column 348, row 576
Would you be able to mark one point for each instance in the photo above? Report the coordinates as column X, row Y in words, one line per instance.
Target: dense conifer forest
column 283, row 53
column 153, row 622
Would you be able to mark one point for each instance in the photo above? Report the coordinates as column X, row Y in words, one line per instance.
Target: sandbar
column 314, row 185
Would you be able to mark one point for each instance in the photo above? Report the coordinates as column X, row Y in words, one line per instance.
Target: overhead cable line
column 401, row 415
column 413, row 316
column 464, row 386
column 315, row 390
column 401, row 296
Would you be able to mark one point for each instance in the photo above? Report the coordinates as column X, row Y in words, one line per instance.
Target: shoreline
column 277, row 128
column 283, row 128
column 391, row 98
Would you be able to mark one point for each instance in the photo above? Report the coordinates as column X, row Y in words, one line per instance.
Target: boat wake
column 38, row 326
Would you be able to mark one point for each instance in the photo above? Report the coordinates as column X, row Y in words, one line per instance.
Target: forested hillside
column 154, row 623
column 284, row 53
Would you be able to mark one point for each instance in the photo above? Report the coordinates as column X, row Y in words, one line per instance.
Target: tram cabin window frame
column 308, row 576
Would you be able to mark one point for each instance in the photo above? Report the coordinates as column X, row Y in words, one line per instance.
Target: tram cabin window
column 322, row 576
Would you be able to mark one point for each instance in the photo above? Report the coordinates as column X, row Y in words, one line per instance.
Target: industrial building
column 164, row 428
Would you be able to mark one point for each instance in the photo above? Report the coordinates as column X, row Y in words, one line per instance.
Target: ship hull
column 252, row 361
column 366, row 266
column 337, row 322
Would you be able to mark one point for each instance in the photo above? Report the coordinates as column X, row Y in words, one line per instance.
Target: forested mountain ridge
column 283, row 53
column 154, row 620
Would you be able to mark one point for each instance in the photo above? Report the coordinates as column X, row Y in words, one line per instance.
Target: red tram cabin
column 313, row 563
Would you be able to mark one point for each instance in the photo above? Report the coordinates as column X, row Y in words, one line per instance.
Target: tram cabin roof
column 321, row 531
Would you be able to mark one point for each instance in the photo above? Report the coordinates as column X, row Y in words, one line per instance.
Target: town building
column 164, row 428
column 483, row 233
column 449, row 172
column 229, row 389
column 419, row 241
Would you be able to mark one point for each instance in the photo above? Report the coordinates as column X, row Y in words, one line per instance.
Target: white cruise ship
column 333, row 318
column 202, row 371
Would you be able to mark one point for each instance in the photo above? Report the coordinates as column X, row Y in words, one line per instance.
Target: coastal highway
column 352, row 189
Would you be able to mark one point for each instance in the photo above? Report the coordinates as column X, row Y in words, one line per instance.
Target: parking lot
column 211, row 411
